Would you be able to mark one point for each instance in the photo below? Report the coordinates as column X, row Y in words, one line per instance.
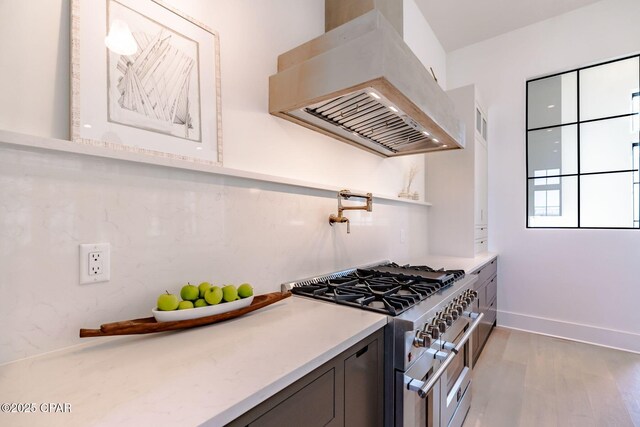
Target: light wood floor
column 524, row 379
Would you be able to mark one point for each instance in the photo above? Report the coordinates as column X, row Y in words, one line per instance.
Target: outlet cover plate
column 103, row 249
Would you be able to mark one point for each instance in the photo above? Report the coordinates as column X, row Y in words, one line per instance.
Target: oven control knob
column 433, row 331
column 459, row 308
column 422, row 339
column 447, row 318
column 462, row 302
column 453, row 313
column 441, row 324
column 471, row 295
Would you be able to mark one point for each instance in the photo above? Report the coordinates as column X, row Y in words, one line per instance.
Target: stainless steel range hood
column 360, row 83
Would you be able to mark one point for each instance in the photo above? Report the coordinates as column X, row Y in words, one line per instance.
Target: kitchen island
column 210, row 375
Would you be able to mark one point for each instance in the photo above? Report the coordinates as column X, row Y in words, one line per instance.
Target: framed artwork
column 145, row 78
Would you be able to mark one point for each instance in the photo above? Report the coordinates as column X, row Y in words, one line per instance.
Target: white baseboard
column 620, row 340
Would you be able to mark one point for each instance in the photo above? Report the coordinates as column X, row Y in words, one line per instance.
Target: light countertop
column 458, row 263
column 210, row 375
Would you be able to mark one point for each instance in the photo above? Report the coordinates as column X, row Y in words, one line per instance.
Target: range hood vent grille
column 363, row 115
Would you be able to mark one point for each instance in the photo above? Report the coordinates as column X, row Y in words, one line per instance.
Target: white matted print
column 145, row 79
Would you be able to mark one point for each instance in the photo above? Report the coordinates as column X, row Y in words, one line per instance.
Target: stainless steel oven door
column 427, row 379
column 455, row 391
column 411, row 409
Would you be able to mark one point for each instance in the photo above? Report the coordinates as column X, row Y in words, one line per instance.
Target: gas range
column 432, row 314
column 386, row 288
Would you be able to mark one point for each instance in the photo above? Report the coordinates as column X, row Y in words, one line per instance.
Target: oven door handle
column 424, row 387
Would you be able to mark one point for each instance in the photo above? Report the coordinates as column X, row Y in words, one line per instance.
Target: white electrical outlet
column 95, row 265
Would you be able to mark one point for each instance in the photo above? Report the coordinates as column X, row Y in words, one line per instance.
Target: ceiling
column 459, row 23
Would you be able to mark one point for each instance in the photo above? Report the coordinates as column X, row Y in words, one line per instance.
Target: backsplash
column 166, row 227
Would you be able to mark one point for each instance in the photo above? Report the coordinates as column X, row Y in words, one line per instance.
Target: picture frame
column 145, row 80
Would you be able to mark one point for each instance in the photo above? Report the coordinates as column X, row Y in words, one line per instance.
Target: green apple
column 229, row 293
column 204, row 286
column 245, row 290
column 168, row 302
column 213, row 295
column 183, row 305
column 200, row 302
column 189, row 292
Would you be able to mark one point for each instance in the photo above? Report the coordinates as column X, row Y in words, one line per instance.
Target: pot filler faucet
column 346, row 194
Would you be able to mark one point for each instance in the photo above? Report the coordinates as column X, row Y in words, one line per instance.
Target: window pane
column 606, row 145
column 552, row 172
column 607, row 200
column 552, row 101
column 560, row 208
column 553, row 149
column 478, row 121
column 607, row 90
column 538, row 173
column 553, row 198
column 553, row 210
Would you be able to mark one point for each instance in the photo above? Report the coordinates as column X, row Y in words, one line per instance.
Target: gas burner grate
column 374, row 290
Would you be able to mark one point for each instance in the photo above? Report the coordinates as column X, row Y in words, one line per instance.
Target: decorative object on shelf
column 150, row 325
column 346, row 194
column 145, row 78
column 406, row 192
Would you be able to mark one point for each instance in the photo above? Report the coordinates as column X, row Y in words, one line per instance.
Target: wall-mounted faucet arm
column 342, row 219
column 346, row 194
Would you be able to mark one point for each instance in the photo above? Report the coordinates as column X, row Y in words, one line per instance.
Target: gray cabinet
column 487, row 289
column 346, row 391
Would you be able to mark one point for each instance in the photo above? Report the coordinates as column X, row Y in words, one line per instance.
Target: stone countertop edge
column 458, row 263
column 201, row 376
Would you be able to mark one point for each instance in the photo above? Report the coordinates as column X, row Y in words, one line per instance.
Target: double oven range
column 432, row 315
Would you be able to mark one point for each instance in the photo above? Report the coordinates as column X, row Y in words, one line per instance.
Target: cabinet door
column 492, row 288
column 481, row 182
column 362, row 388
column 313, row 405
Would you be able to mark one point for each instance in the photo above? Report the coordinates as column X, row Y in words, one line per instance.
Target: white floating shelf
column 20, row 140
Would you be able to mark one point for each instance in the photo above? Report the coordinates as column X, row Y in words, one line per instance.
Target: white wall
column 423, row 41
column 168, row 226
column 580, row 284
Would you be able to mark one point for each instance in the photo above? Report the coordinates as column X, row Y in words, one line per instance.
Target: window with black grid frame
column 582, row 147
